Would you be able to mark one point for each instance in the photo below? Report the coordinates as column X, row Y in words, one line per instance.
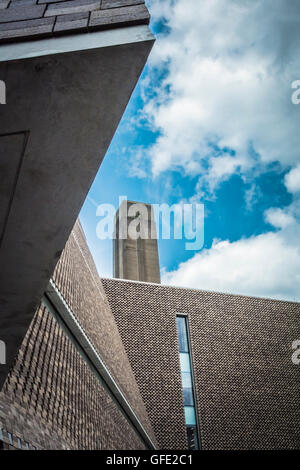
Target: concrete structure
column 135, row 243
column 69, row 69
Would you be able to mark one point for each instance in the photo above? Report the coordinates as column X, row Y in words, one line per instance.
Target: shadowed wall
column 51, row 399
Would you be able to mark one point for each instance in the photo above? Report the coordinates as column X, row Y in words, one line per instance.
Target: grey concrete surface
column 62, row 111
column 136, row 259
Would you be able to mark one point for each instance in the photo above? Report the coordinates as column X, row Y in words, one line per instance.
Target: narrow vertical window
column 187, row 382
column 10, row 439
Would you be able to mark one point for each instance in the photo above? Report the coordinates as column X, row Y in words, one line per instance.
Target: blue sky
column 211, row 121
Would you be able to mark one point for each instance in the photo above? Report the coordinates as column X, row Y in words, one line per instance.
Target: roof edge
column 205, row 291
column 75, row 43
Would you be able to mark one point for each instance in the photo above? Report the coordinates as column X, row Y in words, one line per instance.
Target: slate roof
column 29, row 19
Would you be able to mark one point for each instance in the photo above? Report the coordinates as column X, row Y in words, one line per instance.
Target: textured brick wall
column 78, row 281
column 26, row 19
column 51, row 399
column 247, row 386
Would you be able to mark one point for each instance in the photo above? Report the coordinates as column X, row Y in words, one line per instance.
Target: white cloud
column 292, row 180
column 135, row 168
column 279, row 218
column 231, row 64
column 252, row 195
column 220, row 169
column 267, row 265
column 225, row 108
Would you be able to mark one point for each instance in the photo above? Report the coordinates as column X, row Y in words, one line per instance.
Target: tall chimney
column 135, row 243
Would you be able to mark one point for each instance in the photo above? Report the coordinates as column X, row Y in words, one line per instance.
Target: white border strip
column 75, row 42
column 57, row 306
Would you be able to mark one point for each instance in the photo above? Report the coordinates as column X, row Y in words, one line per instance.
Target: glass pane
column 182, row 334
column 190, row 418
column 185, row 365
column 186, row 380
column 188, row 396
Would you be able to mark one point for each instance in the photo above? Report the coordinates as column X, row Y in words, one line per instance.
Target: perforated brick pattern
column 246, row 384
column 78, row 281
column 52, row 400
column 28, row 19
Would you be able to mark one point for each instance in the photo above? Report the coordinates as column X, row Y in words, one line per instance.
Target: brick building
column 101, row 365
column 63, row 393
column 112, row 363
column 246, row 385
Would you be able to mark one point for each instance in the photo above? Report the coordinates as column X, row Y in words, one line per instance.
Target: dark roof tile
column 23, row 19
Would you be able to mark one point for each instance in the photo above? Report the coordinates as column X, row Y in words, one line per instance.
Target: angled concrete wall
column 65, row 98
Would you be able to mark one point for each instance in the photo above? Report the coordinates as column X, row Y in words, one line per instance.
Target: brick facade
column 78, row 280
column 26, row 19
column 51, row 399
column 246, row 384
column 247, row 387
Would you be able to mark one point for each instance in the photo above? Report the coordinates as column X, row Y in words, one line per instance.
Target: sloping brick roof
column 27, row 19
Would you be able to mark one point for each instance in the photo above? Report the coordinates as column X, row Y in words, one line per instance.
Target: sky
column 212, row 121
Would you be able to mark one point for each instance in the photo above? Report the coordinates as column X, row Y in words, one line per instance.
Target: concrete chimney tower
column 135, row 243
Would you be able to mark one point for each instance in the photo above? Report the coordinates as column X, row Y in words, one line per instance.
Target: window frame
column 190, row 352
column 10, row 438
